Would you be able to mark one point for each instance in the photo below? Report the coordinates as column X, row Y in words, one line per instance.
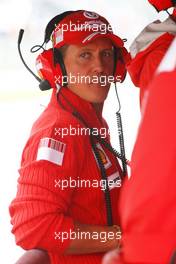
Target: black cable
column 121, row 136
column 111, row 149
column 98, row 157
column 36, row 48
column 21, row 32
column 104, row 178
column 121, row 143
column 101, row 140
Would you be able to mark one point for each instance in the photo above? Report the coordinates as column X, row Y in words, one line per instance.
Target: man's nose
column 98, row 65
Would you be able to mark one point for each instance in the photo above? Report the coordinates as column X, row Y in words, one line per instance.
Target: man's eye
column 85, row 55
column 107, row 53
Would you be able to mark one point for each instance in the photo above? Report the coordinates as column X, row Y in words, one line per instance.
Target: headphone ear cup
column 120, row 67
column 48, row 71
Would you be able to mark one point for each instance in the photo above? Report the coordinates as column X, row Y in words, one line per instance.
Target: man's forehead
column 99, row 43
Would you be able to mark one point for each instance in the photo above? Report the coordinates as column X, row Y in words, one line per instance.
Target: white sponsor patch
column 59, row 36
column 51, row 150
column 114, row 180
column 91, row 15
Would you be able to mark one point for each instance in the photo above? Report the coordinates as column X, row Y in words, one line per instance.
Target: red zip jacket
column 43, row 209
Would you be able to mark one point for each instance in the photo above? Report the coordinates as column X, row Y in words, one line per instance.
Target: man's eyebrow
column 86, row 49
column 108, row 48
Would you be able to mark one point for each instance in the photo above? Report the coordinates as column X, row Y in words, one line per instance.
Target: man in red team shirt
column 44, row 214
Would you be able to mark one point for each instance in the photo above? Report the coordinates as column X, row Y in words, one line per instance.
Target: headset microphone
column 44, row 84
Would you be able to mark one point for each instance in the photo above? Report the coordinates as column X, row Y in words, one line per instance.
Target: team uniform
column 148, row 199
column 43, row 210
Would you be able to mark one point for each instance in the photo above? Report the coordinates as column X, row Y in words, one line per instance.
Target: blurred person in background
column 148, row 199
column 45, row 215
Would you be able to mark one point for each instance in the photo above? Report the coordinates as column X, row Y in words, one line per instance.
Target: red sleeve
column 41, row 208
column 143, row 66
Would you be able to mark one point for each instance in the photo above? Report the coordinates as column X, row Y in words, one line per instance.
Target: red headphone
column 50, row 64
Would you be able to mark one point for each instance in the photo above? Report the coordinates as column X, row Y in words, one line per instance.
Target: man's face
column 91, row 65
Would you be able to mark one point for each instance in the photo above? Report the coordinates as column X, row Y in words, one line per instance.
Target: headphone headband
column 53, row 22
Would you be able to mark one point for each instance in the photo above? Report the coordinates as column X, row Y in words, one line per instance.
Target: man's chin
column 98, row 98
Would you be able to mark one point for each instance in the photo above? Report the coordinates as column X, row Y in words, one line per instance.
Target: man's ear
column 34, row 256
